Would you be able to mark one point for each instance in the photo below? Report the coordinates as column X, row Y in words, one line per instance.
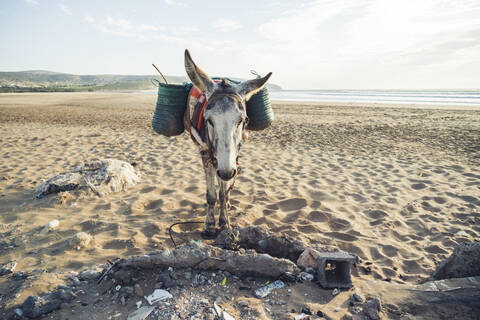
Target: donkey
column 217, row 125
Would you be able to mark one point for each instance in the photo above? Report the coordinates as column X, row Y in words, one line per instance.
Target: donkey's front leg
column 210, row 227
column 224, row 220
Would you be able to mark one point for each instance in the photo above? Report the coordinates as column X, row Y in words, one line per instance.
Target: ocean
column 428, row 97
column 435, row 97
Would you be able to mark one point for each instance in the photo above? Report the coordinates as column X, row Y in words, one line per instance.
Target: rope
column 176, row 223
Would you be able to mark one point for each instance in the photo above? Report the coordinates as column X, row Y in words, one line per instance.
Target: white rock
column 158, row 295
column 80, row 240
column 50, row 225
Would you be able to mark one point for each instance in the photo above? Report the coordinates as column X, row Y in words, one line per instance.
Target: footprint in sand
column 292, row 204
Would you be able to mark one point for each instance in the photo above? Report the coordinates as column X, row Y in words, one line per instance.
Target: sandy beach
column 397, row 185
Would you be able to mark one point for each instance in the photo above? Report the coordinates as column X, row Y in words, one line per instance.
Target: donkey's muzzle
column 226, row 174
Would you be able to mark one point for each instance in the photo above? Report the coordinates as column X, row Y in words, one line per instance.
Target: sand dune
column 392, row 184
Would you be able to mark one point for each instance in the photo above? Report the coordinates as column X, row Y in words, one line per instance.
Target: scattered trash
column 305, row 276
column 301, row 316
column 118, row 287
column 19, row 312
column 73, row 274
column 141, row 313
column 50, row 226
column 224, row 281
column 266, row 290
column 335, row 292
column 220, row 313
column 158, row 295
column 333, row 269
column 337, row 309
column 139, row 304
column 7, row 268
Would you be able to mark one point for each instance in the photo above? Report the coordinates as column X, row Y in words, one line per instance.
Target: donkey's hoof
column 209, row 233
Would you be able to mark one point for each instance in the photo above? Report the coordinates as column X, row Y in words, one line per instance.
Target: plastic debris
column 158, row 295
column 224, row 281
column 141, row 313
column 266, row 290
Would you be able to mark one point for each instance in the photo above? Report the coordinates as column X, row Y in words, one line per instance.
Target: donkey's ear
column 197, row 76
column 249, row 88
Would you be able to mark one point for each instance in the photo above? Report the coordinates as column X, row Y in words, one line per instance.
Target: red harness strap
column 204, row 102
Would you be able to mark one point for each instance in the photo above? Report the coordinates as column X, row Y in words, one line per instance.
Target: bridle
column 208, row 154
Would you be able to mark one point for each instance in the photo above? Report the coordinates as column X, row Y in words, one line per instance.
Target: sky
column 312, row 44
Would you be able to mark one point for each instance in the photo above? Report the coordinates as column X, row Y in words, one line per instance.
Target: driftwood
column 207, row 257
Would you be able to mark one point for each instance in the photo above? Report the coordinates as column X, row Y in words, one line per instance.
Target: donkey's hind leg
column 210, row 226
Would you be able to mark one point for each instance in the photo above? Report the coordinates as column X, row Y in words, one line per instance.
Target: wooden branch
column 206, row 257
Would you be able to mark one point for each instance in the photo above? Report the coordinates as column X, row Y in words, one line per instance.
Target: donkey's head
column 225, row 114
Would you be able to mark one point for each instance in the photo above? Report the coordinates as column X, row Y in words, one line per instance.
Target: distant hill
column 45, row 81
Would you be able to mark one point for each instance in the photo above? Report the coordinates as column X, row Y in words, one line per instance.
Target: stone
column 372, row 308
column 50, row 226
column 89, row 275
column 35, row 306
column 140, row 313
column 81, row 240
column 99, row 177
column 266, row 290
column 356, row 298
column 463, row 262
column 8, row 268
column 308, row 258
column 138, row 290
column 242, row 304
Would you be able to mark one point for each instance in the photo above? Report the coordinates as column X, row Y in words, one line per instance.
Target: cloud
column 175, row 3
column 226, row 25
column 126, row 28
column 89, row 19
column 31, row 2
column 65, row 9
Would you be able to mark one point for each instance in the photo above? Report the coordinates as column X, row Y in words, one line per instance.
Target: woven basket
column 171, row 104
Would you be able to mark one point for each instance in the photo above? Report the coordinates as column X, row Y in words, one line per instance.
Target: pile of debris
column 100, row 177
